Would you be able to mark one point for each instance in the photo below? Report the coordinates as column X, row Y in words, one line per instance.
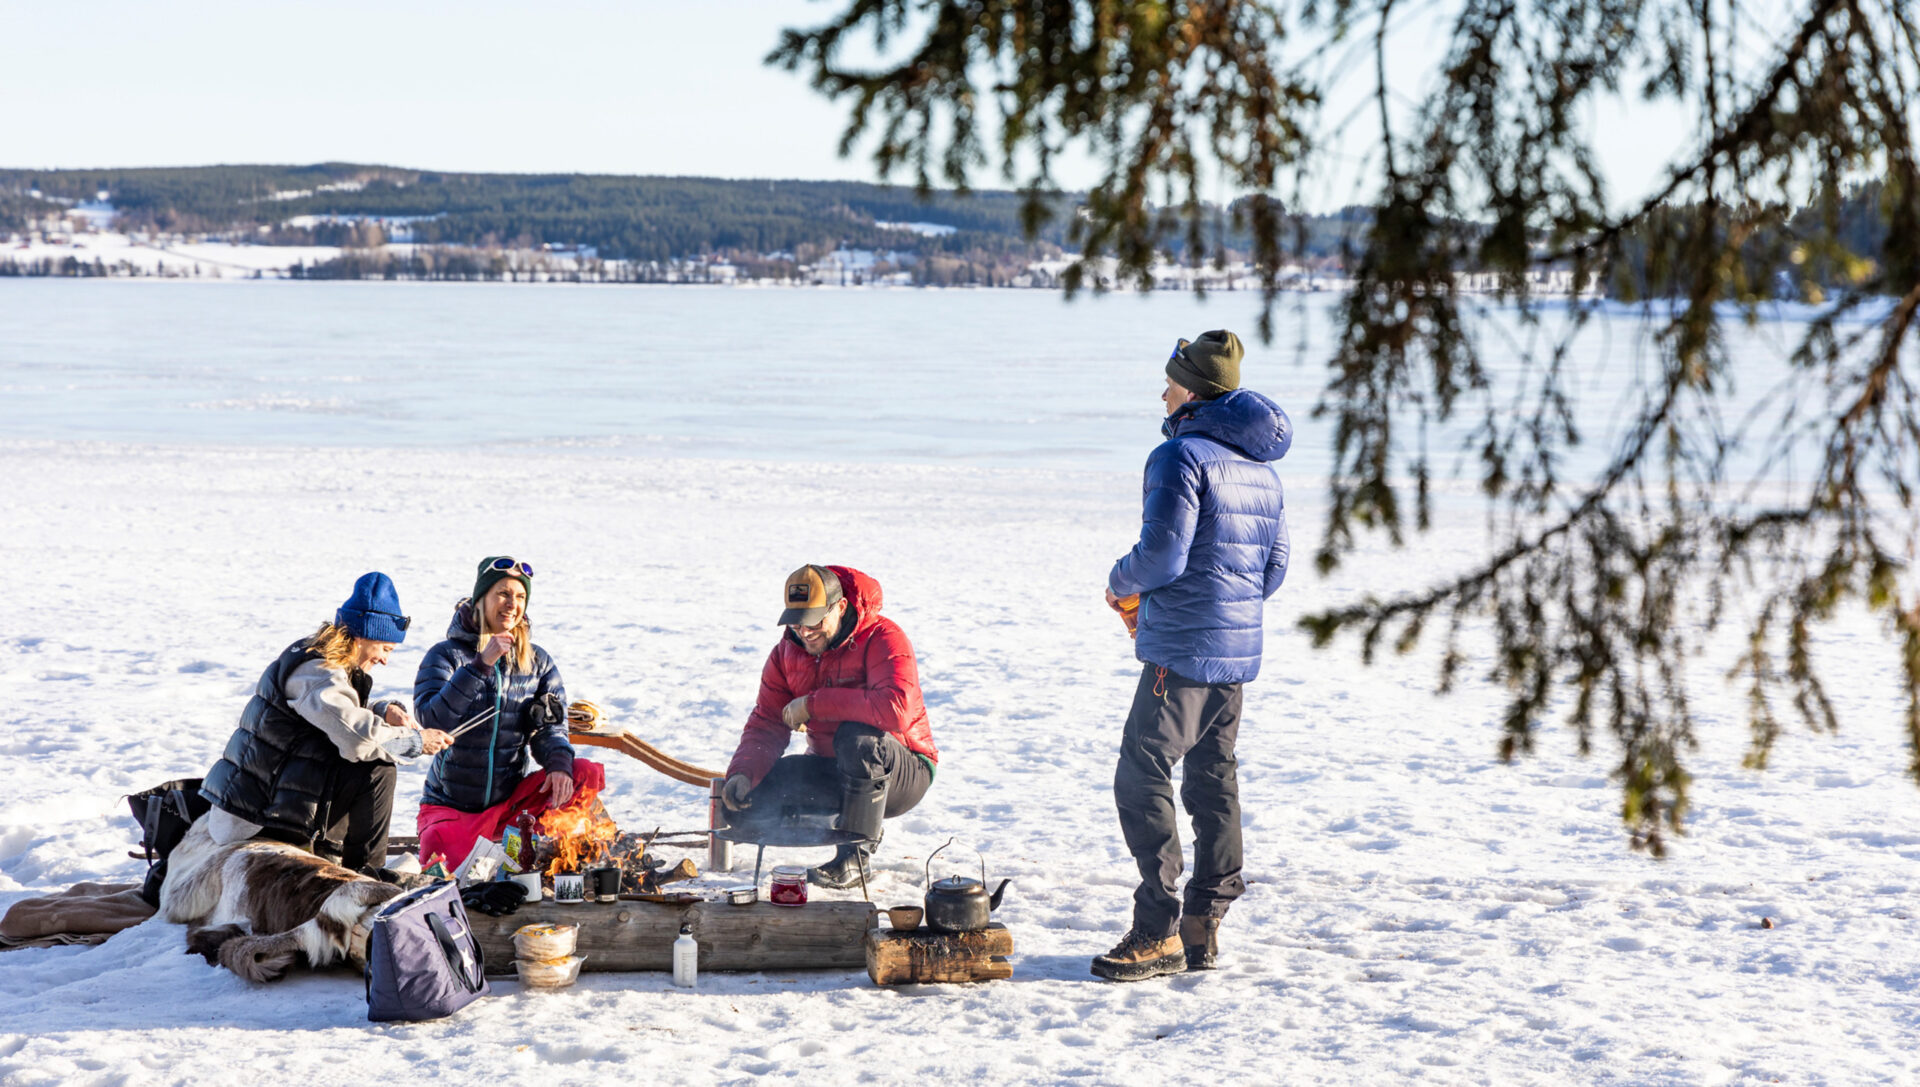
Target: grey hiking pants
column 863, row 756
column 1174, row 720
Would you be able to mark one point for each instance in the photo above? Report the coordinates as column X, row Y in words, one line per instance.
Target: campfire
column 582, row 835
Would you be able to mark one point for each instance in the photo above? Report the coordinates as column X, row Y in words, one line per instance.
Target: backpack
column 164, row 813
column 423, row 961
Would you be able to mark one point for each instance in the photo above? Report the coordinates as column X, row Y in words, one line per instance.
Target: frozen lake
column 983, row 377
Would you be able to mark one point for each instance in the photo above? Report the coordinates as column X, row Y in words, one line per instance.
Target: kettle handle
column 927, row 869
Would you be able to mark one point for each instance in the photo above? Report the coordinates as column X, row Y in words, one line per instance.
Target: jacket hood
column 462, row 628
column 1243, row 419
column 863, row 596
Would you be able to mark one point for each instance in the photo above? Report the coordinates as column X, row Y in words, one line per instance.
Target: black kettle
column 960, row 903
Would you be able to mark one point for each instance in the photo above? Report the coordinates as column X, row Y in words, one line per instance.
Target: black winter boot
column 863, row 808
column 1201, row 936
column 845, row 869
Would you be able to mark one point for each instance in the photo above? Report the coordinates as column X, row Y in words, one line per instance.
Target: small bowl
column 549, row 973
column 905, row 918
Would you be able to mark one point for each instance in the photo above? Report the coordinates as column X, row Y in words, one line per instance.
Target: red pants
column 451, row 832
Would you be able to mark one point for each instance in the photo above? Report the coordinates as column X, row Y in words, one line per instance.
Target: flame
column 582, row 833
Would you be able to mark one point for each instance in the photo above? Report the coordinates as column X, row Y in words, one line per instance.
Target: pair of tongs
column 473, row 722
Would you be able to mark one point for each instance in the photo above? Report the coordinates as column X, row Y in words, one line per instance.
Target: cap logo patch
column 799, row 593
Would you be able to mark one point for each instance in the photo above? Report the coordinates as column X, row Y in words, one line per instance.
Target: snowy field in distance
column 1416, row 912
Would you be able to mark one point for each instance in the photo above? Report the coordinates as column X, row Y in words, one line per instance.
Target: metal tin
column 742, row 896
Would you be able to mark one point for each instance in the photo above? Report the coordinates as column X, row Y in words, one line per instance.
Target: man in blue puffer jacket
column 489, row 671
column 1213, row 547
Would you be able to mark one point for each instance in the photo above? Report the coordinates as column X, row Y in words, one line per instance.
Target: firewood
column 922, row 955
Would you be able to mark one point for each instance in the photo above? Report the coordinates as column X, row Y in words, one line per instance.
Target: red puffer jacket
column 869, row 677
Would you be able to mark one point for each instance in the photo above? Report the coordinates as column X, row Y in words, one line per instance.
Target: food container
column 549, row 973
column 742, row 896
column 789, row 886
column 905, row 918
column 545, row 941
column 569, row 887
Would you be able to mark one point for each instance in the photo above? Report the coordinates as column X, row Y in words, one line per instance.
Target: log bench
column 640, row 935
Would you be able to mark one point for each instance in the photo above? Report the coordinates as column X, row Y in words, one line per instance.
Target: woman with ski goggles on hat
column 312, row 762
column 500, row 697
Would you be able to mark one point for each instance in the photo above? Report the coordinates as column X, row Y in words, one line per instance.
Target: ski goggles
column 508, row 565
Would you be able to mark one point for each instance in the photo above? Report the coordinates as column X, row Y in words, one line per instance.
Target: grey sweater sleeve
column 324, row 698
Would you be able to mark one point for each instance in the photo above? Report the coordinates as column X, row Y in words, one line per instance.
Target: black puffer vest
column 278, row 769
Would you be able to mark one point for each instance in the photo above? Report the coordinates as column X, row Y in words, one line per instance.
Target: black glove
column 495, row 899
column 548, row 709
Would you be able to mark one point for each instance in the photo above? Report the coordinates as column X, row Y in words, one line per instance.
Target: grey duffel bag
column 422, row 959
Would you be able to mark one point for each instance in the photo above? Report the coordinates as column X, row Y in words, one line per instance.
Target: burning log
column 581, row 835
column 640, row 872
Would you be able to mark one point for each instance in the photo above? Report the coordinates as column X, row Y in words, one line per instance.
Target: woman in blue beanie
column 312, row 763
column 489, row 677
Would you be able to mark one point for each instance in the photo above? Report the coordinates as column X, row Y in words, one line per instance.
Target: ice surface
column 1416, row 912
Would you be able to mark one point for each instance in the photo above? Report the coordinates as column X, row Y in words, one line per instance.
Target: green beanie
column 1208, row 367
column 489, row 575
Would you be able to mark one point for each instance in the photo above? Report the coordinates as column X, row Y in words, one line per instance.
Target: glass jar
column 789, row 887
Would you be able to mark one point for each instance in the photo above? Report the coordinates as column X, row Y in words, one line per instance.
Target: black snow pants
column 1174, row 720
column 361, row 811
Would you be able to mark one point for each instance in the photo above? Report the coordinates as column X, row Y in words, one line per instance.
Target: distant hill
column 630, row 218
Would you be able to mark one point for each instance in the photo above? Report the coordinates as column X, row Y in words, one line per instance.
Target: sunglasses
column 1178, row 347
column 525, row 568
column 401, row 621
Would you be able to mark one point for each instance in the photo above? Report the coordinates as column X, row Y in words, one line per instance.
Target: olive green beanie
column 1208, row 367
column 488, row 576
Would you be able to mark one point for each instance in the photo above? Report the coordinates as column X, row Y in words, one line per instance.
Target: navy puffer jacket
column 1213, row 538
column 484, row 765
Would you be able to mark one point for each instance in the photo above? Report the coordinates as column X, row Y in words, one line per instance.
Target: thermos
column 719, row 850
column 686, row 958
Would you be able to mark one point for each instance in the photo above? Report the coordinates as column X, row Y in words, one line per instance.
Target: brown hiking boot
column 1201, row 935
column 1139, row 957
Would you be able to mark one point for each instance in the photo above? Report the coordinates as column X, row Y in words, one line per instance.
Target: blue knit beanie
column 373, row 611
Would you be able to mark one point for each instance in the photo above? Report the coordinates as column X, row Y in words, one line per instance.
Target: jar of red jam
column 789, row 886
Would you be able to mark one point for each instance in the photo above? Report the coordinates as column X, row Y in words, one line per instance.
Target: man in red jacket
column 846, row 677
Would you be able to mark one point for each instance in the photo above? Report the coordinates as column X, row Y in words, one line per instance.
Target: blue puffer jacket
column 483, row 765
column 1213, row 540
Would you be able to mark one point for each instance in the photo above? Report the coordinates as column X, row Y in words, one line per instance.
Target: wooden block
column 640, row 935
column 895, row 958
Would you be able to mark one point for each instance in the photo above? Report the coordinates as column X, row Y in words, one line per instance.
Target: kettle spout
column 994, row 902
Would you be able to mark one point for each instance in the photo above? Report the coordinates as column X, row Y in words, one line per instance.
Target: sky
column 634, row 87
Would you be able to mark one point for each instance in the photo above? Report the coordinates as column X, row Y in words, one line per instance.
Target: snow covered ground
column 213, row 260
column 1416, row 912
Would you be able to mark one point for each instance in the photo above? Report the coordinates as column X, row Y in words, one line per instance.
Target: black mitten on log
column 494, row 899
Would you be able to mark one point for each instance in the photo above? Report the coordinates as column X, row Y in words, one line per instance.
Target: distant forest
column 624, row 218
column 662, row 219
